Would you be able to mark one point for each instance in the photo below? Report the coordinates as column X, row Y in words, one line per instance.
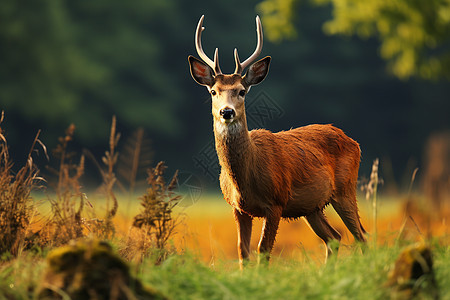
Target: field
column 210, row 230
column 67, row 243
column 204, row 265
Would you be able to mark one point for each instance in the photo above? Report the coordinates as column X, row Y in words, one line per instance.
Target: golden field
column 207, row 228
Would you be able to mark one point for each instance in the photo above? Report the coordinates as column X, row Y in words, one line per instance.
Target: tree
column 414, row 34
column 83, row 61
column 41, row 63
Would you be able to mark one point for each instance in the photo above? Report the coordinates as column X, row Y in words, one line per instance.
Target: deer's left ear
column 257, row 72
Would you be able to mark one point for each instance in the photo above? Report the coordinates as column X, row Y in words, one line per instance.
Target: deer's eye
column 213, row 92
column 242, row 93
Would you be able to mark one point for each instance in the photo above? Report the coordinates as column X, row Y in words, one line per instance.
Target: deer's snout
column 227, row 113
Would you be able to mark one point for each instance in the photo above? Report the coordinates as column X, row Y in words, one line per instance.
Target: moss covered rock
column 413, row 274
column 90, row 270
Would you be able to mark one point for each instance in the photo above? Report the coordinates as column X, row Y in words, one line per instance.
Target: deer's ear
column 201, row 72
column 257, row 72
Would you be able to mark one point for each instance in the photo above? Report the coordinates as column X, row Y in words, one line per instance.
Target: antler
column 241, row 66
column 198, row 44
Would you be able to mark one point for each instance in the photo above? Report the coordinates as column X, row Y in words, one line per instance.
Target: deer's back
column 323, row 144
column 304, row 167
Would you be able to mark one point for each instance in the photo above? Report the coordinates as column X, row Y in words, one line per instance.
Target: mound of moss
column 413, row 274
column 90, row 270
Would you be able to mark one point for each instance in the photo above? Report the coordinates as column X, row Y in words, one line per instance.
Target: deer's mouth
column 227, row 121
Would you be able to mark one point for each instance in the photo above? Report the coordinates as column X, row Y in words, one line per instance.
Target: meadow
column 204, row 264
column 189, row 251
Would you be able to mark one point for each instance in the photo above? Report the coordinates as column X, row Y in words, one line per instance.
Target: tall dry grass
column 68, row 201
column 72, row 215
column 17, row 210
column 156, row 223
column 135, row 160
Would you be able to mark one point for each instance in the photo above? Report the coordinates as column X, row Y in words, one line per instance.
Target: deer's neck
column 234, row 149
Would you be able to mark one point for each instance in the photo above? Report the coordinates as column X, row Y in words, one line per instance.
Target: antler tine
column 238, row 69
column 216, row 62
column 198, row 45
column 241, row 66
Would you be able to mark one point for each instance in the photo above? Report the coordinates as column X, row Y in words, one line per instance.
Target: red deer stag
column 289, row 174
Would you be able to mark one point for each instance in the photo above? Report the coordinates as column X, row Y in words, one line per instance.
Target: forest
column 81, row 62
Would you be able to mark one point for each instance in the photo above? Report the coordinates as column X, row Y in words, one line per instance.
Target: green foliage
column 278, row 15
column 81, row 61
column 130, row 50
column 40, row 60
column 414, row 35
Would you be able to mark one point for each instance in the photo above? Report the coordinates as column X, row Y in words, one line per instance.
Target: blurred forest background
column 379, row 71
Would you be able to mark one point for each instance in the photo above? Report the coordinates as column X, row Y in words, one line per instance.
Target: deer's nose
column 227, row 113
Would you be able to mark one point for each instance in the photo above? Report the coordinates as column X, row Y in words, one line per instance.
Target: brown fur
column 289, row 174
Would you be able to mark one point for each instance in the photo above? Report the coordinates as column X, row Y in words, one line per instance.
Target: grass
column 352, row 276
column 191, row 274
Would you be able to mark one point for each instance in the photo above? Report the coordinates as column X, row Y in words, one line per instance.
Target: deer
column 284, row 175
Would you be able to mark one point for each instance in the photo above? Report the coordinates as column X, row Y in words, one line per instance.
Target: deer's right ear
column 201, row 72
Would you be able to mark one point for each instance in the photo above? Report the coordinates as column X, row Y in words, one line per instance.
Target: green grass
column 351, row 276
column 355, row 276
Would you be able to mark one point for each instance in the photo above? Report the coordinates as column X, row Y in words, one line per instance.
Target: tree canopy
column 414, row 35
column 84, row 60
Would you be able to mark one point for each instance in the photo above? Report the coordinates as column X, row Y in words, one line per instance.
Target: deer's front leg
column 244, row 229
column 269, row 232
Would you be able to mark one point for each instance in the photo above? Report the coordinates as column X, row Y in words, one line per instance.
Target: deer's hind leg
column 347, row 209
column 344, row 197
column 319, row 224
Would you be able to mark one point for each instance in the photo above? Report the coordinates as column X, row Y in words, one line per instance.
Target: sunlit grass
column 208, row 228
column 205, row 265
column 353, row 276
column 185, row 276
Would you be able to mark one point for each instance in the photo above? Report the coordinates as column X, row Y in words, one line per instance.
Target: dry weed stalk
column 156, row 220
column 409, row 205
column 371, row 189
column 109, row 181
column 66, row 222
column 135, row 158
column 16, row 205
